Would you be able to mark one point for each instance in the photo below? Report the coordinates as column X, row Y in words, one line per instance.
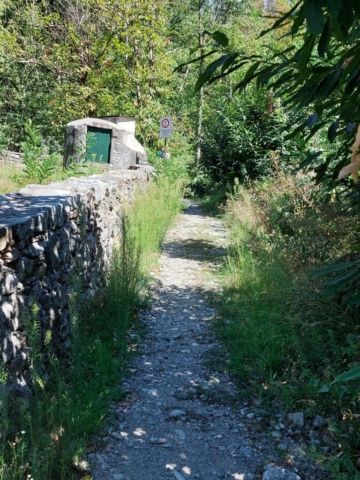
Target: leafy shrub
column 244, row 138
column 39, row 165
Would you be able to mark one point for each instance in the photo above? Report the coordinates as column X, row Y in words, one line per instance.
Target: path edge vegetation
column 47, row 436
column 287, row 339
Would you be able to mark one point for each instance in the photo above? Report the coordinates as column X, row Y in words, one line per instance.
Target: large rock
column 277, row 473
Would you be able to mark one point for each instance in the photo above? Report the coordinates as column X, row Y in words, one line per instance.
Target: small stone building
column 107, row 140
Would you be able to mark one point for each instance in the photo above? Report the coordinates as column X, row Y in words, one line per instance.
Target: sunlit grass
column 8, row 170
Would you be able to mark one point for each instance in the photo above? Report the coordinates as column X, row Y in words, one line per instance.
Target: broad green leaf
column 308, row 161
column 324, row 41
column 193, row 50
column 312, row 119
column 251, row 71
column 264, row 76
column 230, row 60
column 345, row 16
column 340, row 282
column 329, row 83
column 314, row 16
column 306, row 53
column 298, row 21
column 333, row 268
column 355, row 299
column 332, row 131
column 333, row 7
column 297, row 130
column 352, row 374
column 209, row 71
column 320, row 171
column 323, row 389
column 219, row 37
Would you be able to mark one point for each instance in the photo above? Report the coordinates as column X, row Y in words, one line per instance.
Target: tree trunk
column 201, row 92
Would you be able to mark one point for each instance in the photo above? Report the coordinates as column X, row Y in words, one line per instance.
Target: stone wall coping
column 95, row 122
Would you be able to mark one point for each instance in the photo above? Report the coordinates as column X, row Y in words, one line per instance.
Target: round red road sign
column 165, row 123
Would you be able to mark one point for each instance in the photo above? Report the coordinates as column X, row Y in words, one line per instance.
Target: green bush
column 244, row 138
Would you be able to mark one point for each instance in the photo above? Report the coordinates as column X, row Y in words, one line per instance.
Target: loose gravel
column 183, row 417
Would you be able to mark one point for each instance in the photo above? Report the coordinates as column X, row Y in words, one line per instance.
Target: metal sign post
column 165, row 131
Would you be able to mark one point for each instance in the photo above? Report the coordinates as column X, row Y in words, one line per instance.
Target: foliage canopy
column 317, row 72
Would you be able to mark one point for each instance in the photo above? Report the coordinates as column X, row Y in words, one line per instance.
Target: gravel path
column 182, row 419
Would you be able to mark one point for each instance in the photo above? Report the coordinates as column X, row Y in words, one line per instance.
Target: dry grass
column 290, row 214
column 7, row 170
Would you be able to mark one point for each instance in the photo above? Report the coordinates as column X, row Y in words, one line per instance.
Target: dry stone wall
column 46, row 233
column 11, row 157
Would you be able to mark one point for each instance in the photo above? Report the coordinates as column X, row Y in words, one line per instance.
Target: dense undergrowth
column 46, row 437
column 287, row 341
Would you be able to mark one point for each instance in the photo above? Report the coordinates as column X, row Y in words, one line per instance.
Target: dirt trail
column 182, row 419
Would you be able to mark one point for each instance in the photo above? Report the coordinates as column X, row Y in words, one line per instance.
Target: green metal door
column 98, row 145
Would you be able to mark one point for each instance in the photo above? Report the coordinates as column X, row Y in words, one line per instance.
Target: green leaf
column 345, row 16
column 323, row 389
column 209, row 71
column 352, row 374
column 298, row 21
column 314, row 16
column 230, row 60
column 264, row 76
column 219, row 37
column 281, row 20
column 333, row 7
column 321, row 170
column 356, row 6
column 333, row 268
column 306, row 53
column 355, row 299
column 297, row 130
column 325, row 38
column 305, row 163
column 338, row 283
column 193, row 50
column 332, row 131
column 312, row 119
column 329, row 83
column 179, row 67
column 250, row 74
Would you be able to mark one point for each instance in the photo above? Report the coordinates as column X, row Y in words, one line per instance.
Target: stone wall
column 45, row 233
column 11, row 157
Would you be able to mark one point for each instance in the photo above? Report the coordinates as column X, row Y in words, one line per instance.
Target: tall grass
column 7, row 172
column 46, row 437
column 286, row 341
